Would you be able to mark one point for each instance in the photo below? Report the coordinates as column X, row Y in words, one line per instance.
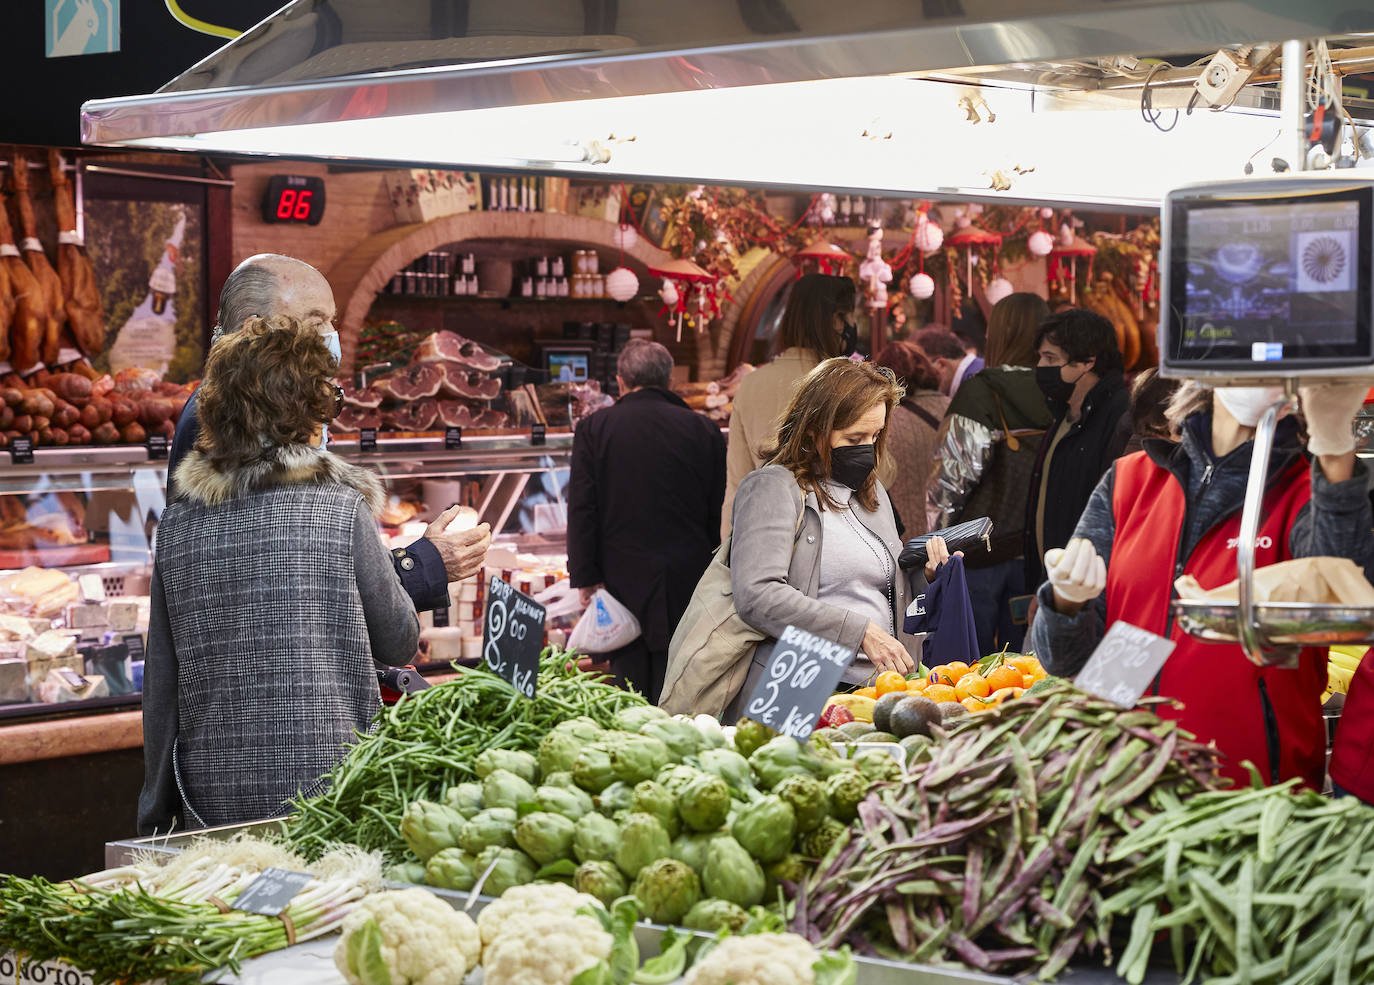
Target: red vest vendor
column 1174, row 509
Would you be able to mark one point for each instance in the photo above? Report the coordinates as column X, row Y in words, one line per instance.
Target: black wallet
column 966, row 537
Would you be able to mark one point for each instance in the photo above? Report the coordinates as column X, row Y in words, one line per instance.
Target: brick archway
column 716, row 362
column 368, row 267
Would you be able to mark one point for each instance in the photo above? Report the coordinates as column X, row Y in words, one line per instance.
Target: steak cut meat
column 491, row 419
column 456, row 414
column 368, row 398
column 451, row 347
column 415, row 382
column 459, row 381
column 353, row 419
column 417, row 415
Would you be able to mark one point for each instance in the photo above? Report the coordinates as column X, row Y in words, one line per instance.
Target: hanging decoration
column 922, row 286
column 622, row 283
column 875, row 273
column 1064, row 259
column 929, row 237
column 1040, row 243
column 998, row 289
column 975, row 242
column 625, row 237
column 829, row 258
column 686, row 278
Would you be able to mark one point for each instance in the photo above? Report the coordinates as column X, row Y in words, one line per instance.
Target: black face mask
column 849, row 338
column 1057, row 390
column 850, row 465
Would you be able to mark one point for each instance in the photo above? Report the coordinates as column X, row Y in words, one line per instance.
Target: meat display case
column 94, row 511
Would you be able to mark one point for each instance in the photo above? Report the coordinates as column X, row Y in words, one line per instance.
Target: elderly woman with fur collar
column 272, row 593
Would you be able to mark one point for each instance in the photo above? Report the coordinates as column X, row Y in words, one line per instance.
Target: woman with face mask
column 1174, row 509
column 815, row 543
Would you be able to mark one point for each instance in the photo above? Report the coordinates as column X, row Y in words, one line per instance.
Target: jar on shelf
column 557, row 267
column 541, row 267
column 527, row 287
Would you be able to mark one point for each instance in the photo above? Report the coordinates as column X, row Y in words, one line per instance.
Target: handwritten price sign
column 801, row 674
column 1123, row 665
column 513, row 635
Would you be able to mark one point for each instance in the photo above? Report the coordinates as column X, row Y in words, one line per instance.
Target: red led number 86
column 294, row 204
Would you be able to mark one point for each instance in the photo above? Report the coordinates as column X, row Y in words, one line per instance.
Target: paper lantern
column 625, row 237
column 922, row 286
column 929, row 236
column 1040, row 243
column 1046, row 212
column 622, row 283
column 997, row 290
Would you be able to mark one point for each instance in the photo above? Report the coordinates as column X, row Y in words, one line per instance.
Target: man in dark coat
column 644, row 497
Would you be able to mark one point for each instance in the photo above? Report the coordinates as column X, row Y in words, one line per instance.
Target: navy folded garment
column 946, row 613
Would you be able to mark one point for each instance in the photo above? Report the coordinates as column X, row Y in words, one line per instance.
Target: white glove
column 1330, row 410
column 1076, row 572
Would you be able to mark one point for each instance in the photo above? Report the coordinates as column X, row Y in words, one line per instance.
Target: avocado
column 829, row 734
column 912, row 743
column 883, row 708
column 950, row 710
column 879, row 737
column 914, row 715
column 855, row 731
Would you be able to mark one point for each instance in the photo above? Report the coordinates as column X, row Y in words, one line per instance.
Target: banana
column 1344, row 659
column 859, row 706
column 1338, row 678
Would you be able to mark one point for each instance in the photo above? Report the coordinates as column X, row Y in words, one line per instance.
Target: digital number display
column 293, row 198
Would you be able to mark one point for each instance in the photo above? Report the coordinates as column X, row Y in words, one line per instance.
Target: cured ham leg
column 6, row 309
column 81, row 296
column 53, row 314
column 26, row 328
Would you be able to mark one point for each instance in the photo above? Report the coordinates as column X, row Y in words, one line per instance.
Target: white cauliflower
column 758, row 959
column 546, row 948
column 412, row 935
column 518, row 903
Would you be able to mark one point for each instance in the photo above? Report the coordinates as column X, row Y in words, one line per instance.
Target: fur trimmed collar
column 197, row 480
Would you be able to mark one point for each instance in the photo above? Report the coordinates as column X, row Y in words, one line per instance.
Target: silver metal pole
column 1292, row 100
column 1247, row 616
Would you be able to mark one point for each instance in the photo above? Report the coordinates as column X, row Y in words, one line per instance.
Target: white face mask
column 1247, row 404
column 331, row 342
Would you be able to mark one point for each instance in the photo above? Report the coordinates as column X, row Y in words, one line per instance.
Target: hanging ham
column 81, row 297
column 53, row 314
column 26, row 328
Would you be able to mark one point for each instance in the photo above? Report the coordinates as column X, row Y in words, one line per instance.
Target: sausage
column 123, row 412
column 133, row 434
column 60, row 437
column 106, row 434
column 12, row 396
column 37, row 402
column 64, row 416
column 70, row 386
column 154, row 410
column 79, row 434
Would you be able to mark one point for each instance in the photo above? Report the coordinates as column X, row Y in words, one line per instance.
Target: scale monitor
column 1268, row 279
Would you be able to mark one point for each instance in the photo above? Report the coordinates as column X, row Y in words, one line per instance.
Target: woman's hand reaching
column 937, row 553
column 885, row 652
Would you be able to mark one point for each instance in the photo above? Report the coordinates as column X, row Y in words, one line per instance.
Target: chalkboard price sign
column 801, row 675
column 270, row 892
column 453, row 439
column 367, row 439
column 513, row 635
column 1123, row 665
column 21, row 451
column 157, row 447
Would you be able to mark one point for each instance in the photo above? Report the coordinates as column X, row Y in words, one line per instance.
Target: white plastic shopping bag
column 606, row 625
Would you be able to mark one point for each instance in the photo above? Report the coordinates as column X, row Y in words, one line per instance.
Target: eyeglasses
column 338, row 400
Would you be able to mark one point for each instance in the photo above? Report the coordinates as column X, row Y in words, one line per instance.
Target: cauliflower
column 547, row 948
column 759, row 959
column 510, row 913
column 407, row 937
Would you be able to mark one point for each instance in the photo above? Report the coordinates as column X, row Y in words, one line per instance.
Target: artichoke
column 676, row 776
column 715, row 915
column 600, row 879
column 406, row 872
column 617, row 797
column 878, row 766
column 791, row 868
column 562, row 778
column 571, row 802
column 766, row 828
column 704, row 802
column 632, row 719
column 814, row 844
column 653, row 798
column 512, row 868
column 544, row 836
column 751, row 735
column 730, row 766
column 638, row 758
column 559, row 748
column 494, row 826
column 595, row 838
column 642, row 840
column 522, row 764
column 428, row 828
column 502, row 788
column 452, row 869
column 778, row 759
column 807, row 796
column 845, row 790
column 731, row 874
column 682, row 738
column 666, row 890
column 691, row 848
column 465, row 798
column 592, row 769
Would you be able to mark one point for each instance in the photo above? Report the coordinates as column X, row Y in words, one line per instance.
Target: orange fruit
column 1029, row 667
column 916, row 684
column 867, row 692
column 889, row 681
column 957, row 669
column 1006, row 676
column 940, row 693
column 973, row 704
column 972, row 685
column 937, row 676
column 1007, row 693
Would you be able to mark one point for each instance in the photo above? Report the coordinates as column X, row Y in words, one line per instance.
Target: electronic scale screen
column 1270, row 279
column 568, row 367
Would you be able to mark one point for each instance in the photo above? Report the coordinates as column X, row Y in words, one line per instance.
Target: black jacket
column 1093, row 443
column 644, row 497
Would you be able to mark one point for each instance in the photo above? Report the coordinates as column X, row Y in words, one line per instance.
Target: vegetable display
column 409, row 937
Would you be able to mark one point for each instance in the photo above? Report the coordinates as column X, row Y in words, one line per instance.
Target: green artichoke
column 791, row 868
column 666, row 890
column 809, row 802
column 704, row 802
column 682, row 738
column 561, row 778
column 502, row 788
column 766, row 828
column 559, row 748
column 642, row 840
column 878, row 766
column 617, row 797
column 600, row 879
column 632, row 719
column 814, row 844
column 571, row 802
column 544, row 836
column 731, row 874
column 691, row 848
column 653, row 798
column 465, row 798
column 592, row 769
column 406, row 872
column 595, row 838
column 751, row 735
column 715, row 915
column 452, row 869
column 638, row 758
column 676, row 776
column 522, row 764
column 494, row 826
column 429, row 828
column 512, row 868
column 778, row 759
column 845, row 790
column 730, row 766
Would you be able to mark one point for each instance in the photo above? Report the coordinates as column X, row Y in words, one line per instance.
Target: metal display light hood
column 880, row 96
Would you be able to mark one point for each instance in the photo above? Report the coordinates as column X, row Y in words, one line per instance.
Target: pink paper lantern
column 922, row 286
column 622, row 283
column 997, row 290
column 1040, row 243
column 929, row 236
column 625, row 237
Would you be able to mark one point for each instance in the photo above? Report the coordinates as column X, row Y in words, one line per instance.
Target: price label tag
column 21, row 451
column 21, row 970
column 73, row 679
column 441, row 617
column 800, row 676
column 134, row 641
column 367, row 439
column 453, row 439
column 512, row 636
column 537, row 433
column 1123, row 665
column 270, row 892
column 157, row 446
